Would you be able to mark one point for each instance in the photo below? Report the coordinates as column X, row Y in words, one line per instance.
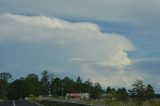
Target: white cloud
column 146, row 59
column 84, row 43
column 109, row 76
column 86, row 39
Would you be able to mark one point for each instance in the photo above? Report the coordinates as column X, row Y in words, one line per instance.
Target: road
column 18, row 103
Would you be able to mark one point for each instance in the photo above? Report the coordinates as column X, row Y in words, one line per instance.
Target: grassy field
column 1, row 100
column 101, row 102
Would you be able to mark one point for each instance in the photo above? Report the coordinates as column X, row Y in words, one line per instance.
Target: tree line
column 49, row 84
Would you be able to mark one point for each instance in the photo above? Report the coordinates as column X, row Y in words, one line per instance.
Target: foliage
column 140, row 93
column 68, row 85
column 32, row 84
column 3, row 88
column 96, row 91
column 110, row 90
column 4, row 77
column 79, row 81
column 149, row 92
column 17, row 89
column 110, row 95
column 121, row 95
column 44, row 83
column 78, row 85
column 56, row 87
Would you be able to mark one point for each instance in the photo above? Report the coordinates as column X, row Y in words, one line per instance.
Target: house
column 77, row 95
column 73, row 95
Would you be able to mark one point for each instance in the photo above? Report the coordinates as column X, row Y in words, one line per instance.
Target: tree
column 108, row 90
column 86, row 87
column 149, row 92
column 79, row 85
column 56, row 88
column 3, row 88
column 18, row 89
column 51, row 78
column 32, row 84
column 45, row 83
column 68, row 85
column 138, row 92
column 4, row 77
column 121, row 94
column 96, row 90
column 78, row 81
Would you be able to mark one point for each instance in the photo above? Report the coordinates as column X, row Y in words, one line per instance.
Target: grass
column 1, row 100
column 103, row 102
column 33, row 98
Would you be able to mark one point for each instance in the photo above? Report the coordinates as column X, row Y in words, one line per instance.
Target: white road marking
column 14, row 103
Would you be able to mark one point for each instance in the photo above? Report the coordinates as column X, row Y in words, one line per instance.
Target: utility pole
column 62, row 89
column 89, row 91
column 89, row 87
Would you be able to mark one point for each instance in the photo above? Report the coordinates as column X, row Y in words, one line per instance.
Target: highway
column 18, row 103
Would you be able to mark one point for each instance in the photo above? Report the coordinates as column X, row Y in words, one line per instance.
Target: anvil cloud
column 79, row 46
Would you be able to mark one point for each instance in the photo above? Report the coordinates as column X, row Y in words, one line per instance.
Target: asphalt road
column 18, row 103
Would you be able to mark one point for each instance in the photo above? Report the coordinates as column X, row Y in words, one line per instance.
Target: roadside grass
column 102, row 102
column 1, row 100
column 155, row 102
column 32, row 98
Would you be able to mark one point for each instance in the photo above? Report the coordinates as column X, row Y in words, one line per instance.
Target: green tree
column 79, row 85
column 96, row 90
column 86, row 87
column 56, row 88
column 78, row 81
column 17, row 89
column 108, row 90
column 45, row 83
column 68, row 85
column 149, row 92
column 121, row 94
column 138, row 92
column 4, row 77
column 110, row 94
column 3, row 88
column 32, row 84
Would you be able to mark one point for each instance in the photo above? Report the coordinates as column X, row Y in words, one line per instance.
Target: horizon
column 12, row 79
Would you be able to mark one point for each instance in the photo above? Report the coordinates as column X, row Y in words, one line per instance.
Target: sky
column 113, row 42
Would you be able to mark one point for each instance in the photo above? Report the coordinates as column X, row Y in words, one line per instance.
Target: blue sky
column 113, row 42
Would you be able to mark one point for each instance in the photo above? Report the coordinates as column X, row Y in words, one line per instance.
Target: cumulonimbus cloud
column 86, row 39
column 84, row 42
